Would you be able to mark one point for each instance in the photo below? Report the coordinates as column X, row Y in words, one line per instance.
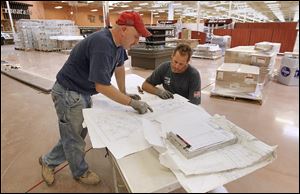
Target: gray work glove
column 164, row 94
column 134, row 96
column 140, row 106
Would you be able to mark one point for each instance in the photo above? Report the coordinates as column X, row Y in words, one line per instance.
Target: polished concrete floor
column 29, row 129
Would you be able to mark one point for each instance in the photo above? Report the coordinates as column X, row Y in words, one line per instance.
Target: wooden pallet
column 236, row 97
column 24, row 49
column 54, row 50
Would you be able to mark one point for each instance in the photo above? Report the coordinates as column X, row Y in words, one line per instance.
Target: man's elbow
column 101, row 88
column 144, row 85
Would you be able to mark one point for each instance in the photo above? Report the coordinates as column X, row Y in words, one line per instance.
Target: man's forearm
column 113, row 93
column 149, row 88
column 120, row 78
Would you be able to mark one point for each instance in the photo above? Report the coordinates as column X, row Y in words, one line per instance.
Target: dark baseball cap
column 131, row 18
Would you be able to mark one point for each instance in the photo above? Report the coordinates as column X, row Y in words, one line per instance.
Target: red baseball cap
column 131, row 18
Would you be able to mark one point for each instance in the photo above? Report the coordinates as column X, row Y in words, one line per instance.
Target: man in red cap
column 88, row 71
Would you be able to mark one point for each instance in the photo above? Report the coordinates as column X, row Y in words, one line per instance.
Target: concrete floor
column 29, row 128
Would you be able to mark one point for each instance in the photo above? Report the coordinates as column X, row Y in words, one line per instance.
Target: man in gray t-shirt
column 177, row 77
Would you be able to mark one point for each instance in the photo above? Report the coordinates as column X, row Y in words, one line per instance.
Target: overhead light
column 71, row 12
column 141, row 14
column 267, row 2
column 161, row 11
column 155, row 13
column 177, row 4
column 93, row 10
column 137, row 8
column 157, row 16
column 142, row 4
column 90, row 1
column 111, row 8
column 58, row 7
column 124, row 6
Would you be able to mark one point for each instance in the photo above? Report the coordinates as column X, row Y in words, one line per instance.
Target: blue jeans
column 71, row 145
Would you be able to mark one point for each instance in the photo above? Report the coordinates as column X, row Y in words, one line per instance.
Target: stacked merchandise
column 236, row 79
column 207, row 51
column 262, row 55
column 224, row 42
column 36, row 33
column 23, row 37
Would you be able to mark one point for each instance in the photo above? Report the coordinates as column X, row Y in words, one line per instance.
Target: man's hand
column 164, row 94
column 134, row 96
column 140, row 106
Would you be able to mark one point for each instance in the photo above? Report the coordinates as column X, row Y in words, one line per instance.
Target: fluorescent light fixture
column 141, row 14
column 124, row 6
column 142, row 4
column 155, row 13
column 111, row 8
column 71, row 12
column 157, row 16
column 177, row 4
column 137, row 8
column 161, row 11
column 58, row 7
column 90, row 1
column 268, row 2
column 93, row 10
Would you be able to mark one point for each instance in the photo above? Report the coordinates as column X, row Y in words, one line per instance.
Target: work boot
column 89, row 177
column 47, row 172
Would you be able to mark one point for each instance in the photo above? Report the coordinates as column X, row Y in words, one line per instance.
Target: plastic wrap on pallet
column 209, row 51
column 249, row 56
column 36, row 33
column 224, row 42
column 237, row 78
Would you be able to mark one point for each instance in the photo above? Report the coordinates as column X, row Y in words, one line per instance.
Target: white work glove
column 164, row 94
column 134, row 96
column 140, row 106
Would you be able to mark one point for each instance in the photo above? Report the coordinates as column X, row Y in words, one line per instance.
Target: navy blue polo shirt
column 92, row 60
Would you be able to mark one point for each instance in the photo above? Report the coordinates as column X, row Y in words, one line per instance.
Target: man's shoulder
column 165, row 65
column 193, row 70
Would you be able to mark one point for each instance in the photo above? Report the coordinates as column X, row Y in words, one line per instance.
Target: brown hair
column 184, row 49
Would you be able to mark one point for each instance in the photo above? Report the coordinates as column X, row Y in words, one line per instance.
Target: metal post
column 106, row 22
column 171, row 11
column 229, row 11
column 198, row 15
column 10, row 18
column 151, row 18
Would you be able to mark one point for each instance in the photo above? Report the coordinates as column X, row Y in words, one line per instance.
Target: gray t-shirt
column 186, row 84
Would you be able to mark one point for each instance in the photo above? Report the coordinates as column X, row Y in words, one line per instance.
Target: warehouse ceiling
column 244, row 11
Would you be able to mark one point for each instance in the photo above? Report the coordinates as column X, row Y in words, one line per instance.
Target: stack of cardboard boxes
column 262, row 55
column 186, row 34
column 236, row 78
column 35, row 34
column 246, row 69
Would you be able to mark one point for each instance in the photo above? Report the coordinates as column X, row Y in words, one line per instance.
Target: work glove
column 164, row 94
column 134, row 96
column 140, row 106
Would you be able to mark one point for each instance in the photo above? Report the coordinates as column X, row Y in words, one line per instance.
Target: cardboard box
column 186, row 34
column 191, row 42
column 237, row 77
column 268, row 47
column 249, row 56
